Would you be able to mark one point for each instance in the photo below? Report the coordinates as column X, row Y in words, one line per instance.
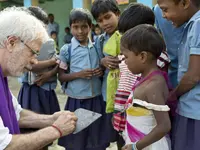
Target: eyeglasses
column 33, row 51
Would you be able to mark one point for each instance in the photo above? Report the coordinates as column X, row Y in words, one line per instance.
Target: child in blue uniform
column 37, row 93
column 82, row 61
column 106, row 13
column 186, row 129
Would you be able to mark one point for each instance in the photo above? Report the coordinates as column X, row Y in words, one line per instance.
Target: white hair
column 19, row 23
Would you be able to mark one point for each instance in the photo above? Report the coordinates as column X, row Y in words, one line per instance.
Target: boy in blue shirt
column 82, row 62
column 106, row 13
column 172, row 37
column 186, row 130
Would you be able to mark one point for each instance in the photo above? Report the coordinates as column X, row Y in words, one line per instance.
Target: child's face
column 54, row 36
column 80, row 30
column 176, row 13
column 132, row 60
column 108, row 22
column 67, row 31
column 97, row 31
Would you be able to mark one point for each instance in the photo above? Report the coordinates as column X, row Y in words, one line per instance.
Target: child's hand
column 128, row 147
column 172, row 96
column 42, row 78
column 53, row 61
column 110, row 62
column 86, row 74
column 98, row 72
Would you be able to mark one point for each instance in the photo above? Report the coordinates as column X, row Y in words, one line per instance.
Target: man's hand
column 66, row 122
column 98, row 72
column 110, row 62
column 56, row 115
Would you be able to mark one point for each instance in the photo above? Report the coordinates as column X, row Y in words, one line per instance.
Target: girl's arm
column 44, row 77
column 65, row 77
column 156, row 94
column 43, row 65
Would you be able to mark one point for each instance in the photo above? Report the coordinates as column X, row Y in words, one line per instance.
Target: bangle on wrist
column 55, row 127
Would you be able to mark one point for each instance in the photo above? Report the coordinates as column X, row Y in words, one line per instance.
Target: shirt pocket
column 80, row 60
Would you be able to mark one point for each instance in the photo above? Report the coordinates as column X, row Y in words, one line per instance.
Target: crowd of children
column 123, row 75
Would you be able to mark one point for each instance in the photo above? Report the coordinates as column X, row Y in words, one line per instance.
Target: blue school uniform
column 41, row 99
column 113, row 134
column 99, row 44
column 172, row 37
column 84, row 93
column 187, row 123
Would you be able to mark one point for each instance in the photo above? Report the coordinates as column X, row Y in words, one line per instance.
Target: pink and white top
column 127, row 79
column 126, row 82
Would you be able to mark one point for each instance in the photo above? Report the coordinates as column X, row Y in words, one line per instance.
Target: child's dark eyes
column 107, row 17
column 164, row 9
column 75, row 27
column 84, row 26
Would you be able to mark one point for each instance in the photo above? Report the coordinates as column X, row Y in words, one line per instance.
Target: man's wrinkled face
column 22, row 56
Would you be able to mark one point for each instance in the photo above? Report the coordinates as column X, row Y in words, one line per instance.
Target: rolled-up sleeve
column 195, row 39
column 64, row 57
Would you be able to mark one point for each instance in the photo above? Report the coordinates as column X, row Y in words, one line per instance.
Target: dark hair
column 67, row 28
column 50, row 15
column 97, row 26
column 104, row 6
column 143, row 38
column 134, row 15
column 39, row 13
column 54, row 32
column 80, row 14
column 195, row 2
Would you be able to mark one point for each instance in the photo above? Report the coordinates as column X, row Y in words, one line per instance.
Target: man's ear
column 10, row 42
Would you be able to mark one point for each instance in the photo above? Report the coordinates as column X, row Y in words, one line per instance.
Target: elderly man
column 21, row 37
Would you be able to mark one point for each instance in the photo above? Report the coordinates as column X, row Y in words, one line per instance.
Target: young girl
column 82, row 61
column 37, row 92
column 132, row 16
column 148, row 121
